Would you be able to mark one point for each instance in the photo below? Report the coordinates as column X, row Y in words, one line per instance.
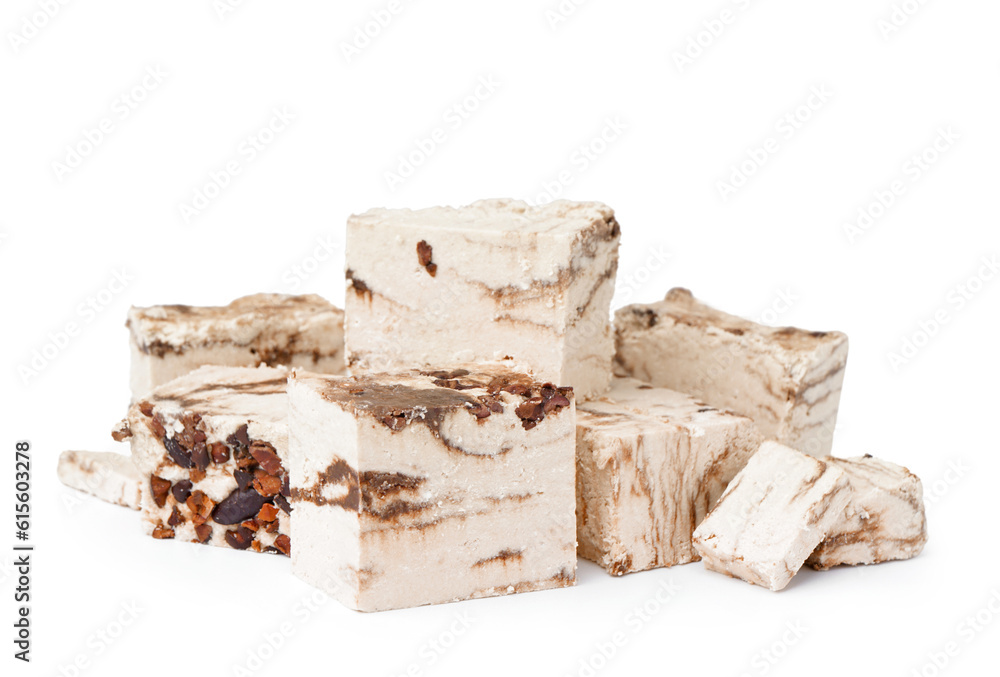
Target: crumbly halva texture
column 262, row 329
column 496, row 281
column 651, row 463
column 884, row 521
column 787, row 380
column 113, row 478
column 772, row 516
column 210, row 447
column 414, row 488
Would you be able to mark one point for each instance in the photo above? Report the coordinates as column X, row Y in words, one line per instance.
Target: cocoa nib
column 531, row 412
column 177, row 453
column 394, row 421
column 146, row 408
column 239, row 539
column 501, row 384
column 201, row 507
column 159, row 487
column 243, row 479
column 175, row 518
column 238, row 506
column 283, row 503
column 550, row 399
column 244, row 461
column 266, row 485
column 220, row 452
column 264, row 454
column 556, row 402
column 240, row 438
column 268, row 513
column 181, row 491
column 203, row 532
column 478, row 410
column 162, row 532
column 121, row 432
column 455, row 384
column 424, row 255
column 286, row 490
column 157, row 427
column 284, row 544
column 199, row 456
column 488, row 404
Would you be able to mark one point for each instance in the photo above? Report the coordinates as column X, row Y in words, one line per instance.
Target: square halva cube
column 496, row 281
column 414, row 488
column 651, row 463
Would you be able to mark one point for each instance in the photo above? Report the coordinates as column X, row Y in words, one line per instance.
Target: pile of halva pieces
column 473, row 421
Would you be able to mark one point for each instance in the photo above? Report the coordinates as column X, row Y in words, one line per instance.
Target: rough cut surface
column 110, row 477
column 787, row 380
column 268, row 329
column 420, row 488
column 651, row 463
column 497, row 281
column 772, row 516
column 210, row 448
column 884, row 521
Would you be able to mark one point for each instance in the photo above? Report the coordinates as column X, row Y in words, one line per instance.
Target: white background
column 682, row 129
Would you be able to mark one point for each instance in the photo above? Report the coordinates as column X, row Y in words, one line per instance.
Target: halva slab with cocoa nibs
column 210, row 447
column 414, row 488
